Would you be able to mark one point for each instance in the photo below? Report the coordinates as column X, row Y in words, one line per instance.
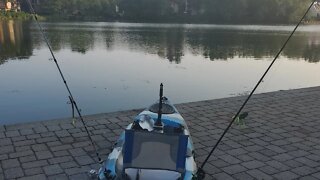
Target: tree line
column 184, row 11
column 168, row 43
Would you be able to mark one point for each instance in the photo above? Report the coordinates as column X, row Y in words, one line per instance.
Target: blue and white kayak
column 146, row 151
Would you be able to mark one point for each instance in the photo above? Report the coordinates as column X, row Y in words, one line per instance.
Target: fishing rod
column 72, row 100
column 200, row 172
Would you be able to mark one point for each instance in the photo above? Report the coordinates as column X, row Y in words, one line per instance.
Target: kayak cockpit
column 145, row 151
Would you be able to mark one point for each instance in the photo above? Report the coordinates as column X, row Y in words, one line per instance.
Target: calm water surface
column 119, row 66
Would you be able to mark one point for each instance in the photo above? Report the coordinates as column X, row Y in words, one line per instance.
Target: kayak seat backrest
column 149, row 150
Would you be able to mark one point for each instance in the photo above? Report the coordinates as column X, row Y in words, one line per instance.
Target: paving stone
column 293, row 163
column 67, row 165
column 34, row 177
column 286, row 175
column 245, row 157
column 62, row 133
column 13, row 173
column 52, row 170
column 2, row 128
column 61, row 159
column 44, row 155
column 269, row 170
column 53, row 128
column 242, row 176
column 308, row 162
column 257, row 174
column 259, row 156
column 33, row 164
column 220, row 163
column 61, row 153
column 33, row 171
column 62, row 147
column 299, row 153
column 2, row 135
column 268, row 152
column 39, row 147
column 237, row 152
column 5, row 141
column 282, row 157
column 234, row 169
column 222, row 176
column 75, row 170
column 316, row 175
column 259, row 142
column 22, row 148
column 303, row 170
column 53, row 144
column 229, row 159
column 210, row 169
column 58, row 177
column 77, row 152
column 10, row 163
column 6, row 149
column 18, row 138
column 46, row 139
column 12, row 133
column 26, row 131
column 82, row 176
column 254, row 148
column 314, row 157
column 33, row 136
column 252, row 164
column 84, row 160
column 40, row 129
column 278, row 165
column 275, row 149
column 24, row 142
column 68, row 140
column 308, row 178
column 3, row 157
column 21, row 154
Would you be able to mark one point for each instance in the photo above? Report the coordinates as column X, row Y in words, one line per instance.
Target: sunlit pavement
column 280, row 139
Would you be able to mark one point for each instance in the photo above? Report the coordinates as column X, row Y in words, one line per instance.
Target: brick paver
column 280, row 139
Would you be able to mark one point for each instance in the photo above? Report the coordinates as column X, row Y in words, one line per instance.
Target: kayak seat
column 154, row 151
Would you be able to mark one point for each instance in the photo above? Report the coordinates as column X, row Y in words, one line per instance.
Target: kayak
column 157, row 145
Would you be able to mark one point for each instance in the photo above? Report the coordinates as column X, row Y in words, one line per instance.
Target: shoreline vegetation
column 24, row 16
column 20, row 15
column 242, row 12
column 11, row 15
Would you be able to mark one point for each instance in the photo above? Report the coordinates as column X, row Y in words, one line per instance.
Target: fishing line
column 72, row 100
column 200, row 171
column 266, row 82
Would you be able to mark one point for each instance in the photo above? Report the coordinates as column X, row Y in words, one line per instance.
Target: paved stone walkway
column 280, row 140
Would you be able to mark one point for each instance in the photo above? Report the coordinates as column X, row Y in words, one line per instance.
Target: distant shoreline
column 9, row 15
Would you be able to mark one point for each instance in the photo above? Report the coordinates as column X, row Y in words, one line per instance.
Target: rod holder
column 158, row 123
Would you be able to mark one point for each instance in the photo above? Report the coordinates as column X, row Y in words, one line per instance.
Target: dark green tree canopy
column 184, row 11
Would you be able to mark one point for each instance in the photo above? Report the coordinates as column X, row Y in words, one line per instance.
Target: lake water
column 119, row 66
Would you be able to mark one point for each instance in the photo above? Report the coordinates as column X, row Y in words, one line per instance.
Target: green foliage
column 186, row 11
column 79, row 9
column 7, row 15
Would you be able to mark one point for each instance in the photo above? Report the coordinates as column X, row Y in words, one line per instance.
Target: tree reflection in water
column 15, row 41
column 168, row 42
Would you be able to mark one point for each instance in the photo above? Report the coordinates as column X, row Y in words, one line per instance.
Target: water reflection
column 15, row 42
column 118, row 66
column 168, row 42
